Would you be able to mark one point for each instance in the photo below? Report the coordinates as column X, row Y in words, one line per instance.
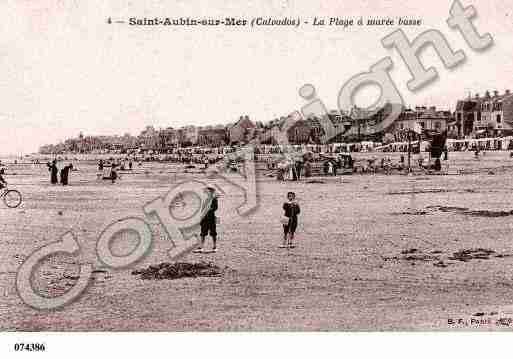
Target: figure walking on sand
column 289, row 221
column 208, row 223
column 308, row 169
column 53, row 172
column 65, row 174
column 299, row 168
column 113, row 173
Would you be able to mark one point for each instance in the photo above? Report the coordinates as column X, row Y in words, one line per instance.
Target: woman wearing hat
column 52, row 167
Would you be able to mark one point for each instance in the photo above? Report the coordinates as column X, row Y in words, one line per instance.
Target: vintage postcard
column 259, row 166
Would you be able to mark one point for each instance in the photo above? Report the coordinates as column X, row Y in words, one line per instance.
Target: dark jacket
column 65, row 175
column 53, row 172
column 210, row 216
column 291, row 209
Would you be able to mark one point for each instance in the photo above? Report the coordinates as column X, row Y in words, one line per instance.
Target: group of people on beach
column 292, row 171
column 54, row 172
column 208, row 224
column 112, row 174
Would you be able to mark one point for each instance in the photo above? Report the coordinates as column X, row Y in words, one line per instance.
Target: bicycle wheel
column 12, row 198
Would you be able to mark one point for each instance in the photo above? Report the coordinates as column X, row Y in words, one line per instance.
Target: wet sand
column 374, row 252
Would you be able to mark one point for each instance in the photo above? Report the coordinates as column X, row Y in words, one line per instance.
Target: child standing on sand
column 208, row 222
column 289, row 221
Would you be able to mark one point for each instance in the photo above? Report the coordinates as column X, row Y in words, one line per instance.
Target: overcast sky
column 65, row 70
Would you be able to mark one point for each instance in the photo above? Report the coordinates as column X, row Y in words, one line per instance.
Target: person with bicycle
column 3, row 182
column 11, row 197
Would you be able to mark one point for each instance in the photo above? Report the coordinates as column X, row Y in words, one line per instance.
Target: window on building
column 438, row 125
column 499, row 119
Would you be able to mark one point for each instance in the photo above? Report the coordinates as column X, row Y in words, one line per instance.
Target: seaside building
column 487, row 116
column 299, row 133
column 169, row 138
column 496, row 114
column 149, row 138
column 210, row 136
column 342, row 124
column 428, row 118
column 242, row 131
column 190, row 135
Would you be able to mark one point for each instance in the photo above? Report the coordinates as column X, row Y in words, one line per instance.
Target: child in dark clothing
column 291, row 209
column 208, row 223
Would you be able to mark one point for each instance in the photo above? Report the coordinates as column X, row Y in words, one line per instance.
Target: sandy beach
column 375, row 252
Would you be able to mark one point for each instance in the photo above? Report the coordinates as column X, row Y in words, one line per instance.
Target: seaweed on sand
column 466, row 255
column 179, row 270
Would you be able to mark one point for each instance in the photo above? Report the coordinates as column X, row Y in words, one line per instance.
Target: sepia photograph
column 280, row 167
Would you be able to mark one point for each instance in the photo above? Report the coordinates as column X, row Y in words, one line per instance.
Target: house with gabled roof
column 241, row 131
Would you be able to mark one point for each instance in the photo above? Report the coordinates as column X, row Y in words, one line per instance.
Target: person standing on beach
column 325, row 167
column 421, row 160
column 113, row 173
column 330, row 168
column 308, row 169
column 280, row 175
column 292, row 210
column 65, row 174
column 208, row 222
column 53, row 171
column 299, row 168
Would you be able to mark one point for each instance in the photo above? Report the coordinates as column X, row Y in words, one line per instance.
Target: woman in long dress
column 308, row 169
column 290, row 171
column 65, row 174
column 330, row 168
column 53, row 172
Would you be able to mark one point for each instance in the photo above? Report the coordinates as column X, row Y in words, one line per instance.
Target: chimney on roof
column 477, row 95
column 487, row 94
column 508, row 92
column 495, row 93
